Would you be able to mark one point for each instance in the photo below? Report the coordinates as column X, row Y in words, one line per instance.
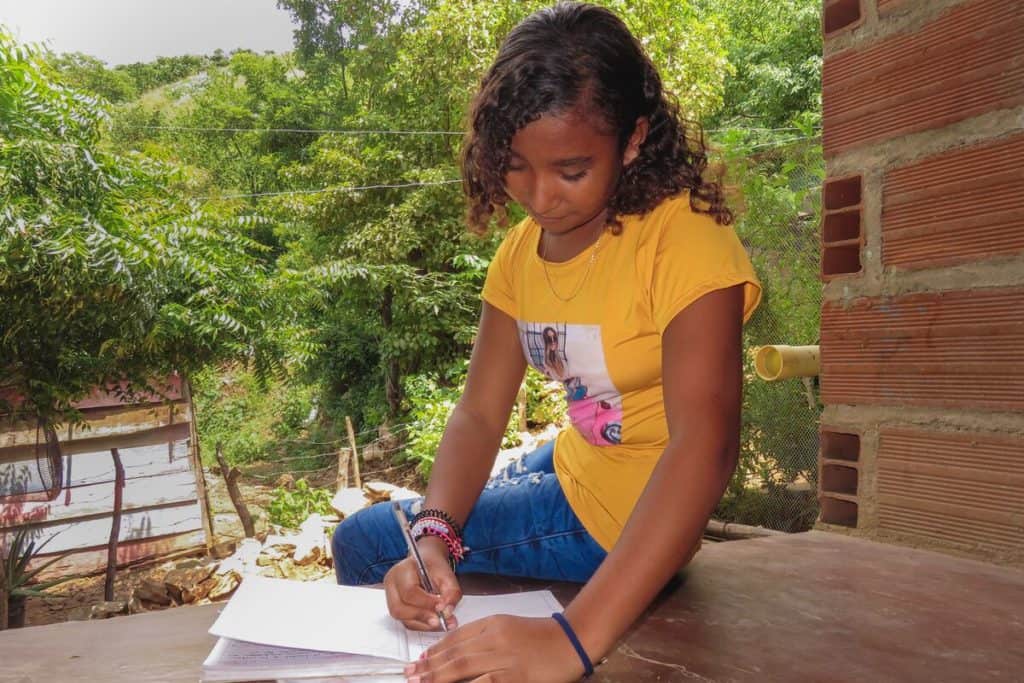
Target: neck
column 559, row 247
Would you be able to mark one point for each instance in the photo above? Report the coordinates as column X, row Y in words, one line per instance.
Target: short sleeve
column 695, row 255
column 499, row 290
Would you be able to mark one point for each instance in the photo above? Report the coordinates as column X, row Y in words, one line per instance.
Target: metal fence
column 775, row 188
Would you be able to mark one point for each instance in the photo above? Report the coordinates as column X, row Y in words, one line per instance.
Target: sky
column 126, row 31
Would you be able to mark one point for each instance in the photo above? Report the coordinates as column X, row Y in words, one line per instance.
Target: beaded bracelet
column 588, row 667
column 432, row 526
column 441, row 515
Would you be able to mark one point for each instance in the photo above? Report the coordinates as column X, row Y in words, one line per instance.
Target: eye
column 574, row 177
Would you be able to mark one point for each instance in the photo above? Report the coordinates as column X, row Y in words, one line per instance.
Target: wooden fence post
column 355, row 451
column 3, row 592
column 115, row 527
column 343, row 457
column 196, row 458
column 231, row 475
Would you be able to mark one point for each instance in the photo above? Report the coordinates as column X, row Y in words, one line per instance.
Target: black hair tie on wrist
column 588, row 667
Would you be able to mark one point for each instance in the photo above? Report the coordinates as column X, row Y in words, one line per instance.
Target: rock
column 80, row 613
column 232, row 564
column 313, row 555
column 181, row 583
column 153, row 592
column 309, row 544
column 199, row 591
column 107, row 609
column 270, row 555
column 135, row 606
column 349, row 501
column 224, row 585
column 189, row 564
column 222, row 550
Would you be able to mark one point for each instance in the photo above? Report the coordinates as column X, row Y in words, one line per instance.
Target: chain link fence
column 775, row 188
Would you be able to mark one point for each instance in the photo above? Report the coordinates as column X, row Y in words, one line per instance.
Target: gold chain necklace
column 579, row 287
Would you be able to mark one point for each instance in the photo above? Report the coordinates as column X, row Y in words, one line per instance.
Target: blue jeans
column 521, row 526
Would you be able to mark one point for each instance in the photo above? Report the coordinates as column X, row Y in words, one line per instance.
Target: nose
column 543, row 196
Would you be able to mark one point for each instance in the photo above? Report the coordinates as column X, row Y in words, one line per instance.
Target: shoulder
column 674, row 222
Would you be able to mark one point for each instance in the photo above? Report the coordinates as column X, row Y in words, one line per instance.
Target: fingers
column 447, row 587
column 462, row 662
column 409, row 603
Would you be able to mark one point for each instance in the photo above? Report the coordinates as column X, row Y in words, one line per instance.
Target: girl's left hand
column 497, row 649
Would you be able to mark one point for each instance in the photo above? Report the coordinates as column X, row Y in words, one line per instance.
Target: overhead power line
column 312, row 131
column 340, row 188
column 356, row 131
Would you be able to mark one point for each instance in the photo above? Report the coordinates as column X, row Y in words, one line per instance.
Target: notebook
column 279, row 629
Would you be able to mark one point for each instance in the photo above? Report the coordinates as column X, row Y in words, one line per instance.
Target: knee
column 349, row 546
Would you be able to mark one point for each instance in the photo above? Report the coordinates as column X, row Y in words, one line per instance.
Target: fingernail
column 413, row 679
column 434, row 622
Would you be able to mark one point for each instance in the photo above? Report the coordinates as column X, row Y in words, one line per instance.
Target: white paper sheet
column 473, row 607
column 312, row 616
column 330, row 630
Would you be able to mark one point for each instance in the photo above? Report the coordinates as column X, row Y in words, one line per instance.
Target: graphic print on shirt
column 574, row 356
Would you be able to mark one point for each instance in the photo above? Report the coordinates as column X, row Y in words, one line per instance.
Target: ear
column 632, row 151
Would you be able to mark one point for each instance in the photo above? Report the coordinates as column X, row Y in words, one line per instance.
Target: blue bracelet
column 588, row 668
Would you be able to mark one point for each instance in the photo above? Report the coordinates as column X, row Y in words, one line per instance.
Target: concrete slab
column 805, row 607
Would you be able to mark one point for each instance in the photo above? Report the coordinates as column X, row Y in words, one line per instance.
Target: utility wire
column 359, row 188
column 311, row 131
column 355, row 131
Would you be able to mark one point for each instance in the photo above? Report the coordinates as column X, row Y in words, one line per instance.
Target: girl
column 627, row 253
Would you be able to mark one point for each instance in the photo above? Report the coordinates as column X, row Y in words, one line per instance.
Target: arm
column 474, row 430
column 702, row 377
column 464, row 459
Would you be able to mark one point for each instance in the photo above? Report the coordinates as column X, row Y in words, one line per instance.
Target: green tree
column 105, row 274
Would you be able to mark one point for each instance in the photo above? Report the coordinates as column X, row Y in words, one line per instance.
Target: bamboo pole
column 735, row 532
column 115, row 527
column 231, row 475
column 355, row 451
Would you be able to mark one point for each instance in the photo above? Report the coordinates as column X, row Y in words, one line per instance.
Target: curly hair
column 580, row 57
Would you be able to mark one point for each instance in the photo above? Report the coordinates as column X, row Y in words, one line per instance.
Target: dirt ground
column 73, row 598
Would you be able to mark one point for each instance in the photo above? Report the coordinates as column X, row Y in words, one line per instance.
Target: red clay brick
column 841, row 15
column 956, row 207
column 949, row 349
column 966, row 488
column 965, row 62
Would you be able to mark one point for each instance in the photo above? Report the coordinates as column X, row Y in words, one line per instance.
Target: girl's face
column 563, row 169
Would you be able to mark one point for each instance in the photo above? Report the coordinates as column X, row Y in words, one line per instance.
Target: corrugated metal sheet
column 960, row 206
column 968, row 488
column 161, row 508
column 965, row 62
column 950, row 349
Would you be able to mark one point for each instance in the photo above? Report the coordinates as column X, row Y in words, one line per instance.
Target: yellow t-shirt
column 604, row 344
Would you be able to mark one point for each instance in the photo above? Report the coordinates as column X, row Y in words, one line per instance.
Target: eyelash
column 571, row 178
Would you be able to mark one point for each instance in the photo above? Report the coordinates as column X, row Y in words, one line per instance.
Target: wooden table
column 805, row 607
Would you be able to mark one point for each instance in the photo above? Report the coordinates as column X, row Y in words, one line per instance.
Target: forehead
column 553, row 137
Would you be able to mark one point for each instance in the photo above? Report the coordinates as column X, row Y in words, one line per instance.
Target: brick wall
column 922, row 332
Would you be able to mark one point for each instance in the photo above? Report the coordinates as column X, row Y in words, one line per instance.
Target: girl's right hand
column 409, row 602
